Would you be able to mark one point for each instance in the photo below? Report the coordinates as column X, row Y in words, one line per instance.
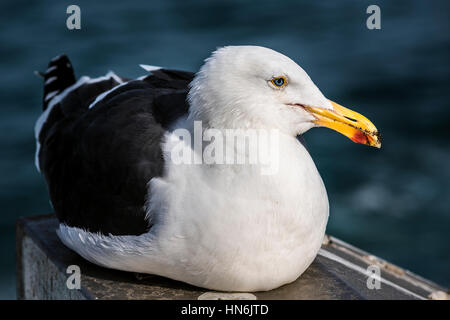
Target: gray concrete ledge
column 339, row 272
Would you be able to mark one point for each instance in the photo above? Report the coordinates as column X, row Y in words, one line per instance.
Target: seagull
column 129, row 179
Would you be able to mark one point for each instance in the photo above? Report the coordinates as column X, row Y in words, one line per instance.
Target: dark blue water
column 393, row 202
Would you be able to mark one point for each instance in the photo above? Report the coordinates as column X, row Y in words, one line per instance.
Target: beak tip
column 378, row 138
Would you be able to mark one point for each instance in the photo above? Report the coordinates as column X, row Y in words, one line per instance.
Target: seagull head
column 245, row 87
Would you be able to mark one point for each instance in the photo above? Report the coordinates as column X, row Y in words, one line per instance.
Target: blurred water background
column 392, row 202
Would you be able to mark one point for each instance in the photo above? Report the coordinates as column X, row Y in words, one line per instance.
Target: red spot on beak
column 360, row 137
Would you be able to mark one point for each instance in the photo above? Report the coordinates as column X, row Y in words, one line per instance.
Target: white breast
column 232, row 228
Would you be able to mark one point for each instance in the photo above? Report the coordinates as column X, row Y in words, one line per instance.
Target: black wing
column 97, row 162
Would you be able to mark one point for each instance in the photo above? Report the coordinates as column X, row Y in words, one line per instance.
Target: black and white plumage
column 106, row 149
column 96, row 185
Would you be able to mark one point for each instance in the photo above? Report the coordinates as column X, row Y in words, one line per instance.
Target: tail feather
column 59, row 76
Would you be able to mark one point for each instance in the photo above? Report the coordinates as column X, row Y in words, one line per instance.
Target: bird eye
column 279, row 82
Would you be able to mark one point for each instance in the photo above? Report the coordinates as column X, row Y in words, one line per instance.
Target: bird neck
column 260, row 148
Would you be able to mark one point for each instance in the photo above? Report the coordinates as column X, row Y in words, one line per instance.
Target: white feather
column 50, row 80
column 149, row 68
column 50, row 69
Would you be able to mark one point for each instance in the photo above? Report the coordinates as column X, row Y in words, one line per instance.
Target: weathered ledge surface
column 339, row 272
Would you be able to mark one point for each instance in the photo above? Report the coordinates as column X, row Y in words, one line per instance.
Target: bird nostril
column 351, row 119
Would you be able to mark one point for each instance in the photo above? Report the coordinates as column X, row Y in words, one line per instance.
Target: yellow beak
column 350, row 123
